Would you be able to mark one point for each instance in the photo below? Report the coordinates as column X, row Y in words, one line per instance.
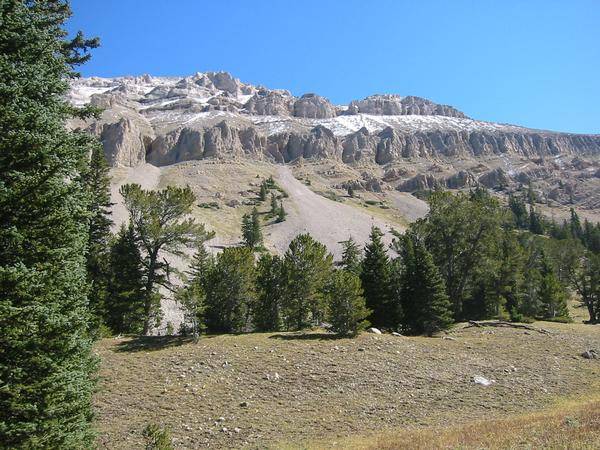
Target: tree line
column 469, row 258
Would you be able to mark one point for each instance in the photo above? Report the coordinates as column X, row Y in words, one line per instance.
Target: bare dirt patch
column 261, row 390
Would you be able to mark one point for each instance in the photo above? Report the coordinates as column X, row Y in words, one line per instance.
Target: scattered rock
column 478, row 379
column 395, row 333
column 233, row 203
column 449, row 338
column 361, row 349
column 244, row 404
column 374, row 330
column 590, row 354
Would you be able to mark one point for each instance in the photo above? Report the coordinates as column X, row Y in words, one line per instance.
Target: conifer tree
column 230, row 291
column 350, row 191
column 263, row 192
column 274, row 205
column 575, row 226
column 347, row 312
column 426, row 306
column 585, row 278
column 270, row 288
column 46, row 365
column 351, row 256
column 306, row 266
column 553, row 297
column 535, row 221
column 97, row 180
column 376, row 281
column 125, row 290
column 160, row 224
column 251, row 232
column 281, row 214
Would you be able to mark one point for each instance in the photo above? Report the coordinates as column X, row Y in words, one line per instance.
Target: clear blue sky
column 534, row 63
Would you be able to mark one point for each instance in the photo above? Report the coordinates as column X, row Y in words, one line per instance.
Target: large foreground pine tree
column 46, row 365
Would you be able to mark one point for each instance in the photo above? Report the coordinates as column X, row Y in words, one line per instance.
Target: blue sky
column 532, row 63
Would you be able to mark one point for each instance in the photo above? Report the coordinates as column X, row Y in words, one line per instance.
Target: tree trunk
column 149, row 290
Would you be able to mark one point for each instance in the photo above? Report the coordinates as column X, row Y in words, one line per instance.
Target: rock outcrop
column 393, row 105
column 124, row 144
column 313, row 106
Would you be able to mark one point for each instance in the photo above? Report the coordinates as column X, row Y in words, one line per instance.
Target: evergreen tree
column 519, row 210
column 536, row 225
column 270, row 287
column 461, row 232
column 274, row 205
column 585, row 278
column 97, row 180
column 350, row 191
column 263, row 192
column 251, row 232
column 160, row 224
column 306, row 268
column 347, row 312
column 575, row 226
column 192, row 296
column 553, row 297
column 351, row 256
column 230, row 291
column 426, row 306
column 376, row 281
column 281, row 214
column 46, row 364
column 125, row 290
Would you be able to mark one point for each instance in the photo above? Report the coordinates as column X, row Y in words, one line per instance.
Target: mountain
column 405, row 143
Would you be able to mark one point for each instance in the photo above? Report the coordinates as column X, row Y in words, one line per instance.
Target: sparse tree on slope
column 553, row 296
column 281, row 214
column 347, row 312
column 251, row 232
column 585, row 278
column 46, row 364
column 160, row 224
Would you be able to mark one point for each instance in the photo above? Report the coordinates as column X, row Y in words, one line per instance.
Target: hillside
column 402, row 143
column 223, row 391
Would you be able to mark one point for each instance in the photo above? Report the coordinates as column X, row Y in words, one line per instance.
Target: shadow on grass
column 307, row 336
column 152, row 343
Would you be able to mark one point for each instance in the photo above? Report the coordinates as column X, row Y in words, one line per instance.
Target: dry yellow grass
column 571, row 425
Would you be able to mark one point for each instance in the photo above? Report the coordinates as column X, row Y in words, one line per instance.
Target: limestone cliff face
column 213, row 115
column 387, row 146
column 124, row 144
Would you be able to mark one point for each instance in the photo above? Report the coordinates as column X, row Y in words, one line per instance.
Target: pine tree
column 351, row 256
column 376, row 281
column 125, row 299
column 575, row 226
column 270, row 285
column 274, row 205
column 230, row 291
column 192, row 296
column 46, row 364
column 160, row 224
column 347, row 312
column 97, row 180
column 251, row 232
column 552, row 294
column 350, row 191
column 426, row 305
column 306, row 268
column 535, row 221
column 263, row 192
column 281, row 214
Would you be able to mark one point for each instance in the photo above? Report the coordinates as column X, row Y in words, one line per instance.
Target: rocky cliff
column 213, row 115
